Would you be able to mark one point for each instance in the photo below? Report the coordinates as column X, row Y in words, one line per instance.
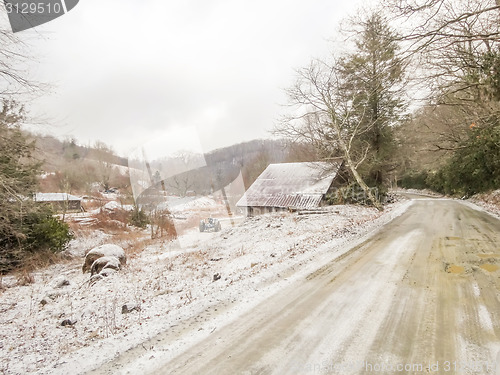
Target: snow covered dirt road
column 421, row 296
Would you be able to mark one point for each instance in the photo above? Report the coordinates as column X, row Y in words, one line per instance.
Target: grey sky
column 127, row 71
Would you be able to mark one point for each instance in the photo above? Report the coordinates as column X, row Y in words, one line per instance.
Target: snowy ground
column 488, row 201
column 169, row 283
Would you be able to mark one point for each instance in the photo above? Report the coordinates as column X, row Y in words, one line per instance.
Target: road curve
column 419, row 297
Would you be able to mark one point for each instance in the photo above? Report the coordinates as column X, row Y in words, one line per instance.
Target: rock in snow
column 129, row 307
column 59, row 282
column 68, row 322
column 107, row 250
column 104, row 263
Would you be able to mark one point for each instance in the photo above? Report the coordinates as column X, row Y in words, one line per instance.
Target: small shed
column 60, row 202
column 291, row 185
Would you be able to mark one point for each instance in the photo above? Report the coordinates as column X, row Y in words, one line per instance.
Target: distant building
column 190, row 193
column 60, row 202
column 291, row 186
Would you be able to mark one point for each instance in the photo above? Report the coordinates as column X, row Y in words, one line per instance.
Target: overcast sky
column 131, row 72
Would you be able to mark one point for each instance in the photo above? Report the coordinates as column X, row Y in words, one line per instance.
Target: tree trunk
column 362, row 183
column 353, row 169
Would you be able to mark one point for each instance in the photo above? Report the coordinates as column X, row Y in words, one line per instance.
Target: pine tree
column 24, row 226
column 374, row 79
column 17, row 176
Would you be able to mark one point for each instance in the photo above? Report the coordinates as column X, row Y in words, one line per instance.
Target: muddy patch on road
column 489, row 267
column 452, row 268
column 487, row 256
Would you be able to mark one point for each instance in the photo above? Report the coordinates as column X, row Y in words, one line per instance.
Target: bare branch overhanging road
column 421, row 296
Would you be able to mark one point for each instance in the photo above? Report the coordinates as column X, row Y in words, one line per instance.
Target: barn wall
column 255, row 211
column 62, row 206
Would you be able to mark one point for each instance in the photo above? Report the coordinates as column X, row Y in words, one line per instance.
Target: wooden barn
column 291, row 186
column 60, row 202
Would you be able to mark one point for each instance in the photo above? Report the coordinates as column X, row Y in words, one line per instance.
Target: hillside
column 71, row 167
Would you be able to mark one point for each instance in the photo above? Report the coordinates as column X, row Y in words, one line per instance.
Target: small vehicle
column 210, row 225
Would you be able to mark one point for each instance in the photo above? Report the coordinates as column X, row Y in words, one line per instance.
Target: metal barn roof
column 300, row 185
column 55, row 197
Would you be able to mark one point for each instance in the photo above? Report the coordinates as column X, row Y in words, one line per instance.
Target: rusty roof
column 300, row 185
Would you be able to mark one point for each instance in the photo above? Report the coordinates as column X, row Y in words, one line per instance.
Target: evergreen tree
column 17, row 176
column 25, row 227
column 374, row 79
column 475, row 166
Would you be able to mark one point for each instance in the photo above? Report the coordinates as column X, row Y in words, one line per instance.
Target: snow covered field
column 166, row 286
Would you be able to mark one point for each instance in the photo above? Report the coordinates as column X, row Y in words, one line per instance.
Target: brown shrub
column 133, row 242
column 36, row 261
column 115, row 221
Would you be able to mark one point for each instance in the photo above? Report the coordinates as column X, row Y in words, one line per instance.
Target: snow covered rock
column 104, row 263
column 51, row 295
column 107, row 250
column 129, row 307
column 68, row 322
column 106, row 272
column 59, row 282
column 112, row 206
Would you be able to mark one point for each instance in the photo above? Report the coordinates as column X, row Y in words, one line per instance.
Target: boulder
column 106, row 272
column 129, row 307
column 59, row 282
column 103, row 263
column 68, row 322
column 107, row 250
column 95, row 278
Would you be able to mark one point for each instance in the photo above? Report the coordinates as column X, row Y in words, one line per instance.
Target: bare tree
column 456, row 43
column 14, row 62
column 328, row 118
column 433, row 21
column 105, row 169
column 180, row 184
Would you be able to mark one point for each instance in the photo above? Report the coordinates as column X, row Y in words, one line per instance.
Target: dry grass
column 191, row 222
column 133, row 242
column 43, row 259
column 116, row 221
column 37, row 261
column 163, row 230
column 25, row 278
column 114, row 224
column 193, row 218
column 92, row 204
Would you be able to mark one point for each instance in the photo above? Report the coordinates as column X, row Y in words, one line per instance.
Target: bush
column 139, row 218
column 415, row 180
column 39, row 233
column 475, row 166
column 26, row 228
column 46, row 232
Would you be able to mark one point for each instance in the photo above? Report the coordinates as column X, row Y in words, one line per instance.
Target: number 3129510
column 33, row 8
